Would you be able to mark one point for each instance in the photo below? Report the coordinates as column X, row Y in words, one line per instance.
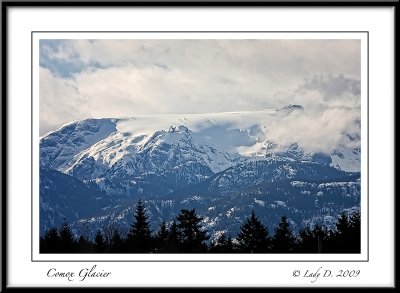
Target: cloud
column 60, row 101
column 272, row 58
column 82, row 79
column 332, row 86
column 317, row 130
column 332, row 111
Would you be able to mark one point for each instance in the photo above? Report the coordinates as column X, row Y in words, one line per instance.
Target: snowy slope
column 228, row 161
column 220, row 138
column 184, row 149
column 59, row 147
column 346, row 159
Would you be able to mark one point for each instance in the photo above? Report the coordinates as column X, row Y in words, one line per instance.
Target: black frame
column 205, row 3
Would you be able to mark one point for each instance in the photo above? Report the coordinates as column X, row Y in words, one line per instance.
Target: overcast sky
column 82, row 79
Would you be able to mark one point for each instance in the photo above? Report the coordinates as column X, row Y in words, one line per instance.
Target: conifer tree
column 354, row 241
column 83, row 245
column 67, row 241
column 342, row 235
column 161, row 239
column 50, row 242
column 253, row 236
column 283, row 240
column 100, row 244
column 173, row 242
column 313, row 240
column 117, row 242
column 222, row 244
column 342, row 225
column 139, row 236
column 192, row 235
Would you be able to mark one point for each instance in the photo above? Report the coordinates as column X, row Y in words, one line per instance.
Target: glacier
column 228, row 161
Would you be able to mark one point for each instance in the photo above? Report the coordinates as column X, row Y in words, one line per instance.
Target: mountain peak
column 180, row 128
column 291, row 107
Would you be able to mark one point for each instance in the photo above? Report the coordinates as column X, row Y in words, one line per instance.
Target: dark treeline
column 187, row 235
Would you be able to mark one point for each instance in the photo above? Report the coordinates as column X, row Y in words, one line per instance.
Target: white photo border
column 378, row 270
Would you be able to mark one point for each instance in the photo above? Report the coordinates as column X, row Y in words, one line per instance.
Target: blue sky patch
column 63, row 66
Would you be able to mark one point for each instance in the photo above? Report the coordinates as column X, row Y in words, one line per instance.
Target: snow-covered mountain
column 164, row 158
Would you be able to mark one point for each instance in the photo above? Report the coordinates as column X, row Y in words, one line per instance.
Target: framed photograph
column 208, row 146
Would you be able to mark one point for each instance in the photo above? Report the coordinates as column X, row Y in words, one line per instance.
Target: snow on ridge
column 227, row 132
column 219, row 140
column 58, row 148
column 102, row 122
column 147, row 124
column 346, row 159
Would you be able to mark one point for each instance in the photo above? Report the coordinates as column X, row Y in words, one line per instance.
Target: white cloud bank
column 123, row 78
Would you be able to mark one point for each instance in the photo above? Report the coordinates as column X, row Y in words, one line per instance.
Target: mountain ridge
column 205, row 157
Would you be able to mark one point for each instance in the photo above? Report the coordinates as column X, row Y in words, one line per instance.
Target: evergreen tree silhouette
column 139, row 236
column 173, row 242
column 67, row 241
column 50, row 242
column 161, row 239
column 84, row 245
column 100, row 244
column 354, row 241
column 342, row 225
column 253, row 236
column 117, row 243
column 192, row 236
column 222, row 244
column 313, row 240
column 187, row 235
column 342, row 235
column 283, row 240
